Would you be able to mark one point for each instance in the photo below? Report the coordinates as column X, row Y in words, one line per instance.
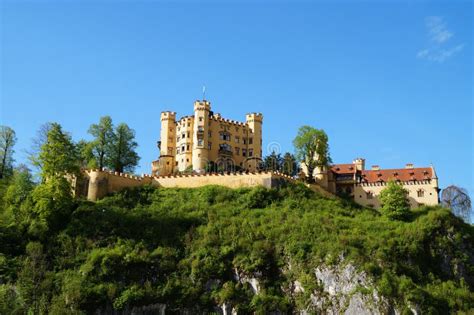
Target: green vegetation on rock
column 196, row 249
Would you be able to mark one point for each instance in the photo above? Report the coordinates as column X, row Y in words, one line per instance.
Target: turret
column 359, row 164
column 168, row 133
column 200, row 135
column 254, row 145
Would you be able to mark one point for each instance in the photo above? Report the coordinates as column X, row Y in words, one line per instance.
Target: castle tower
column 254, row 141
column 359, row 164
column 168, row 143
column 200, row 135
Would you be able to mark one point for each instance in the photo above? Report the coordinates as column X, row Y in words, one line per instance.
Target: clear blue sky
column 390, row 81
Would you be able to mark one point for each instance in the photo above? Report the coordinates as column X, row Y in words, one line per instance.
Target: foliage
column 272, row 162
column 394, row 200
column 7, row 142
column 86, row 154
column 312, row 148
column 193, row 249
column 102, row 145
column 289, row 165
column 17, row 199
column 122, row 156
column 457, row 199
column 58, row 155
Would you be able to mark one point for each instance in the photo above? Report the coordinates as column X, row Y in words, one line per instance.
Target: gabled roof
column 401, row 174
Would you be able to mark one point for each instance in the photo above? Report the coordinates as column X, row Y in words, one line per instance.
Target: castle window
column 189, row 124
column 245, row 141
column 200, row 128
column 200, row 118
column 182, row 148
column 370, row 195
column 177, row 139
column 237, row 139
column 209, row 133
column 244, row 152
column 189, row 134
column 187, row 147
column 250, row 152
column 209, row 145
column 250, row 140
column 237, row 151
column 177, row 151
column 183, row 135
column 176, row 163
column 187, row 160
column 200, row 142
column 167, row 163
column 420, row 193
column 171, row 129
column 224, row 136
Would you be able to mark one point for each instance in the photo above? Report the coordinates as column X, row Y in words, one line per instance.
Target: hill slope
column 251, row 250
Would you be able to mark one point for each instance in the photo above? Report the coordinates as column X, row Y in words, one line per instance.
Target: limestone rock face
column 344, row 290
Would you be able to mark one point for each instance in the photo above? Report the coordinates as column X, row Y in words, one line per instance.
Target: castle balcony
column 225, row 152
column 200, row 133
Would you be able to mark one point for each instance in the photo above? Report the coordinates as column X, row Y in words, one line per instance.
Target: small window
column 370, row 195
column 189, row 134
column 245, row 141
column 182, row 148
column 237, row 139
column 209, row 133
column 167, row 163
column 177, row 151
column 176, row 163
column 209, row 145
column 189, row 124
column 183, row 135
column 171, row 129
column 200, row 118
column 187, row 160
column 200, row 142
column 250, row 140
column 237, row 151
column 199, row 155
column 250, row 152
column 244, row 152
column 187, row 147
column 420, row 193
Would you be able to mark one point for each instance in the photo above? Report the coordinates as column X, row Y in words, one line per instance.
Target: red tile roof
column 343, row 168
column 402, row 174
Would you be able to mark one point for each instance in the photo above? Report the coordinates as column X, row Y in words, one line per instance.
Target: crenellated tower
column 200, row 155
column 254, row 141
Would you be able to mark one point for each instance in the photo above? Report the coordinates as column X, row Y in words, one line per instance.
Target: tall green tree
column 123, row 157
column 394, row 200
column 86, row 154
column 7, row 141
column 103, row 133
column 289, row 166
column 312, row 148
column 58, row 156
column 37, row 142
column 272, row 162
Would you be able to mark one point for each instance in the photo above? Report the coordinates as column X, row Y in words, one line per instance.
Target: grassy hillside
column 183, row 247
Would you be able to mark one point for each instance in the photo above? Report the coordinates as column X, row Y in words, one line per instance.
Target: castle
column 206, row 149
column 207, row 142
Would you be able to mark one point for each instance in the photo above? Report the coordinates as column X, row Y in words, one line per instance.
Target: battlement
column 103, row 182
column 257, row 117
column 167, row 115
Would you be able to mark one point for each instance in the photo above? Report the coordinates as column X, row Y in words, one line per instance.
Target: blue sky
column 390, row 81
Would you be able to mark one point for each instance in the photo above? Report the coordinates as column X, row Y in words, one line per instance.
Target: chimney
column 409, row 166
column 375, row 168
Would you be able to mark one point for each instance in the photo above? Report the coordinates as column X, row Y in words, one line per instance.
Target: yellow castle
column 207, row 142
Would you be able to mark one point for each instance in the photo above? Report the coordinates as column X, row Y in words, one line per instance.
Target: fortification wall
column 101, row 183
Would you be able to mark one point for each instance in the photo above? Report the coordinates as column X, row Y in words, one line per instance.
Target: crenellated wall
column 100, row 183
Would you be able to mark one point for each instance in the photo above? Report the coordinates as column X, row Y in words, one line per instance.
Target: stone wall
column 100, row 183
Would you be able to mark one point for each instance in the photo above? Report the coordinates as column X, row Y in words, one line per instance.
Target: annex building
column 206, row 141
column 363, row 185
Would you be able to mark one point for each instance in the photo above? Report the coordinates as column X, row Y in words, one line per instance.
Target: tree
column 312, row 148
column 122, row 153
column 457, row 199
column 272, row 162
column 7, row 141
column 86, row 154
column 58, row 155
column 289, row 165
column 394, row 199
column 103, row 133
column 18, row 193
column 37, row 143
